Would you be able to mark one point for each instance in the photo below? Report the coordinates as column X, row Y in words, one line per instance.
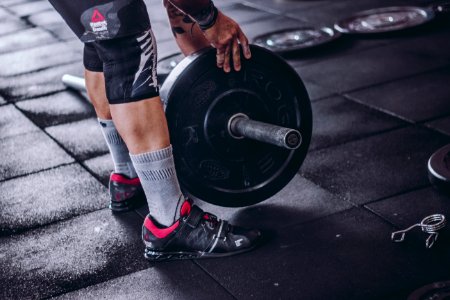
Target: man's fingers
column 220, row 57
column 226, row 61
column 244, row 43
column 236, row 56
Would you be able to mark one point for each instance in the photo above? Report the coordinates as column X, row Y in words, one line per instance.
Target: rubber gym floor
column 381, row 107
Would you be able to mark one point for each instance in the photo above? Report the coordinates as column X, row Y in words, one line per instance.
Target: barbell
column 238, row 138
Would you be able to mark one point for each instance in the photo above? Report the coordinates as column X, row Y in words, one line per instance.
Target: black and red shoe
column 125, row 193
column 196, row 235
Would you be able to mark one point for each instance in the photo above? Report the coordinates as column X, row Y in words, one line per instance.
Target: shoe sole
column 156, row 256
column 125, row 206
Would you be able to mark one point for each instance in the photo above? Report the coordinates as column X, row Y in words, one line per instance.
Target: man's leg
column 174, row 229
column 124, row 186
column 95, row 86
column 144, row 129
column 174, row 225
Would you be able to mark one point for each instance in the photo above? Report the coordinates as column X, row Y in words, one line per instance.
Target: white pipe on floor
column 74, row 82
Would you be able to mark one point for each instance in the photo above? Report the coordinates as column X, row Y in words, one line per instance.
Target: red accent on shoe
column 159, row 232
column 122, row 179
column 185, row 208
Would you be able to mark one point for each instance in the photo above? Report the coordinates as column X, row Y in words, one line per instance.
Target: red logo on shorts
column 97, row 17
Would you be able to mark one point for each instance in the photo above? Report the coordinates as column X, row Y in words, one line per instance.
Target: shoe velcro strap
column 224, row 230
column 194, row 217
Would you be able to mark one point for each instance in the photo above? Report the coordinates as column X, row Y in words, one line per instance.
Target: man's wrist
column 206, row 18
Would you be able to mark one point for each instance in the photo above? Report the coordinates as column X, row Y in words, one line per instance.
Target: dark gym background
column 381, row 107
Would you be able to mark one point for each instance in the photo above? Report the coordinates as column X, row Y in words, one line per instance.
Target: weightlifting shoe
column 195, row 235
column 125, row 193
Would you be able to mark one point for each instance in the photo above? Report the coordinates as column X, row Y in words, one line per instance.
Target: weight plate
column 296, row 39
column 167, row 64
column 439, row 168
column 201, row 98
column 434, row 291
column 385, row 19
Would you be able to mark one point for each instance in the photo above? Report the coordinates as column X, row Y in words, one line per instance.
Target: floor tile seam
column 28, row 26
column 27, row 16
column 67, row 151
column 423, row 122
column 302, row 223
column 20, row 99
column 97, row 283
column 46, row 225
column 151, row 265
column 11, row 12
column 38, row 171
column 436, row 130
column 261, row 7
column 53, row 223
column 344, row 54
column 39, row 70
column 203, row 269
column 392, row 42
column 12, row 32
column 291, row 15
column 379, row 109
column 63, row 122
column 365, row 136
column 341, row 198
column 32, row 130
column 434, row 118
column 394, row 80
column 223, row 4
column 358, row 207
column 29, row 48
column 392, row 114
column 91, row 172
column 4, row 96
column 27, row 21
column 440, row 131
column 140, row 214
column 403, row 192
column 56, row 36
column 319, row 99
column 256, row 20
column 381, row 217
column 420, row 123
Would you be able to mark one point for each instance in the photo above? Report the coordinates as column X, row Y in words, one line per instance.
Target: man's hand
column 225, row 35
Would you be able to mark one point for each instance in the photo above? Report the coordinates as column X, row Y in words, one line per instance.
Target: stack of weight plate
column 373, row 21
column 384, row 20
column 439, row 168
column 296, row 39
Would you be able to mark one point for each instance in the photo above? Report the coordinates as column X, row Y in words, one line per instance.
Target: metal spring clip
column 430, row 225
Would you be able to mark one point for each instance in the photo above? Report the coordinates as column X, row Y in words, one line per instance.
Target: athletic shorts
column 128, row 64
column 93, row 20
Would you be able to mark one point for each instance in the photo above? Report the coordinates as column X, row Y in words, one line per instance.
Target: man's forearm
column 191, row 7
column 202, row 11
